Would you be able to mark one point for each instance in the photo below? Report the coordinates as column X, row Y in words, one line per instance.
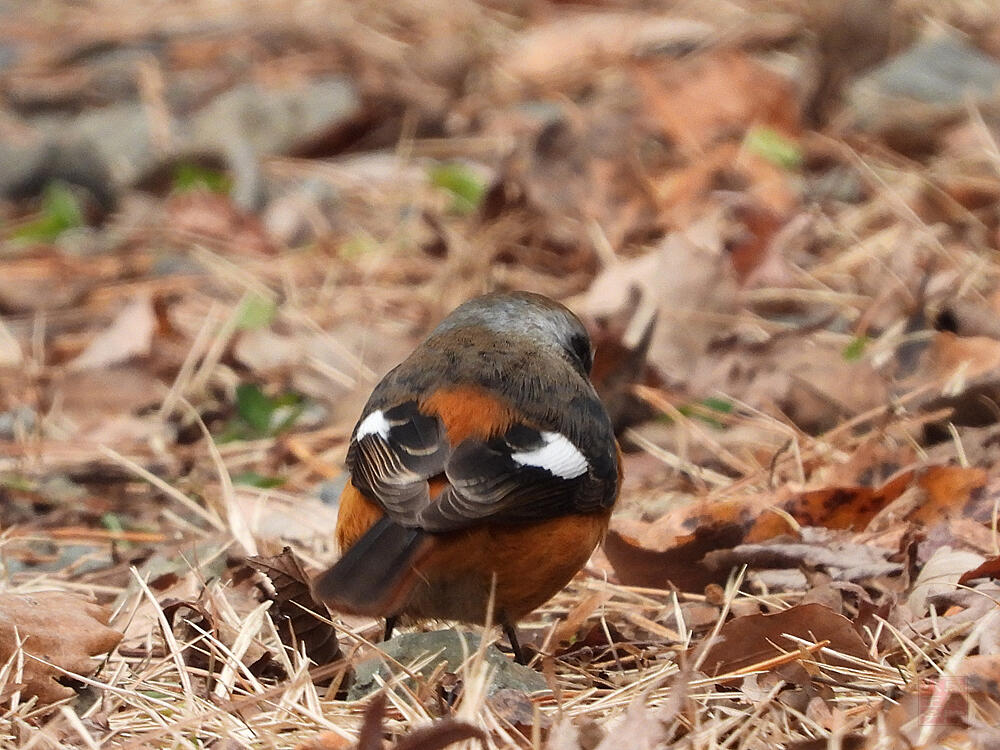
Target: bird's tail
column 376, row 572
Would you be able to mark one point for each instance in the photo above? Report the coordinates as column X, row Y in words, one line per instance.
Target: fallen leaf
column 640, row 727
column 673, row 549
column 953, row 491
column 940, row 574
column 325, row 741
column 680, row 565
column 987, row 569
column 845, row 561
column 130, row 335
column 303, row 620
column 980, row 673
column 709, row 96
column 63, row 630
column 515, row 708
column 206, row 214
column 839, row 507
column 745, row 641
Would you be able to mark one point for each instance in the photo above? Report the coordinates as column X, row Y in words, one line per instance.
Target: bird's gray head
column 519, row 314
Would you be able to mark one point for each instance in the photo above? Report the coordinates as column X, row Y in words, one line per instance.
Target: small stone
column 928, row 83
column 20, row 420
column 455, row 649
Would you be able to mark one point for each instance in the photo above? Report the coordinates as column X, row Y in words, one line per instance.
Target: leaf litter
column 790, row 276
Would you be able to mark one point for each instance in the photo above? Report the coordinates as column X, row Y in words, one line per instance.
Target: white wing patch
column 558, row 456
column 374, row 424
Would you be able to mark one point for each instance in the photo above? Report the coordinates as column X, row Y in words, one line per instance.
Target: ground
column 780, row 221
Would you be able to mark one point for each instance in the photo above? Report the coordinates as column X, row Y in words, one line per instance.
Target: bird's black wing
column 521, row 476
column 392, row 455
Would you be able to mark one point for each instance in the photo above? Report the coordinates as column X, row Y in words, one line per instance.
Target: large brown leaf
column 61, row 631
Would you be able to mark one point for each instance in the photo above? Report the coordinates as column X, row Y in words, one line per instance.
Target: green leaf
column 697, row 411
column 773, row 146
column 191, row 177
column 466, row 189
column 60, row 211
column 255, row 312
column 158, row 696
column 261, row 416
column 112, row 522
column 720, row 405
column 855, row 348
column 254, row 406
column 18, row 482
column 356, row 247
column 253, row 479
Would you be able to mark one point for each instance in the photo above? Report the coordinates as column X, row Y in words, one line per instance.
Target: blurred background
column 779, row 220
column 774, row 204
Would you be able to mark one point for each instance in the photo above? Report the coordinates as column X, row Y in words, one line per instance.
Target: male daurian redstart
column 484, row 460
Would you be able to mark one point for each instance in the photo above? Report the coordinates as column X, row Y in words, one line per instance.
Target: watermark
column 959, row 701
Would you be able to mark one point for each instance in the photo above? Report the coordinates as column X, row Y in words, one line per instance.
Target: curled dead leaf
column 301, row 619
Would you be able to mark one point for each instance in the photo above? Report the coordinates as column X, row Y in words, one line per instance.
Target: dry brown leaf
column 217, row 217
column 952, row 358
column 953, row 491
column 745, row 641
column 688, row 279
column 705, row 97
column 325, row 741
column 64, row 631
column 987, row 569
column 680, row 565
column 27, row 284
column 674, row 549
column 640, row 727
column 839, row 507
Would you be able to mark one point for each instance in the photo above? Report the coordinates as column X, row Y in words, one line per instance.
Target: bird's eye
column 580, row 346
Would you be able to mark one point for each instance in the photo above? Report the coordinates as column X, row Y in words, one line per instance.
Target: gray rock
column 107, row 148
column 20, row 420
column 99, row 149
column 119, row 136
column 455, row 648
column 271, row 121
column 249, row 121
column 10, row 54
column 932, row 80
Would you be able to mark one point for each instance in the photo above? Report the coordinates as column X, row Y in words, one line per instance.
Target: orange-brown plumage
column 532, row 563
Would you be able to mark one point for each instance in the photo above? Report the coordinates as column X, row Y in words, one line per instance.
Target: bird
column 482, row 472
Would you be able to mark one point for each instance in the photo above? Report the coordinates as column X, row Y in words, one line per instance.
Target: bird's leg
column 390, row 625
column 511, row 632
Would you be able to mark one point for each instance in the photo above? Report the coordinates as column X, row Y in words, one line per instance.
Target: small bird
column 483, row 466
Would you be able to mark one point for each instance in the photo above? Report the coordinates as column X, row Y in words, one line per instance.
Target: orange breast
column 531, row 562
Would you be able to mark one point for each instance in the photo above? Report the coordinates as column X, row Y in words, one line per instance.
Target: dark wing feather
column 393, row 465
column 394, row 469
column 487, row 483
